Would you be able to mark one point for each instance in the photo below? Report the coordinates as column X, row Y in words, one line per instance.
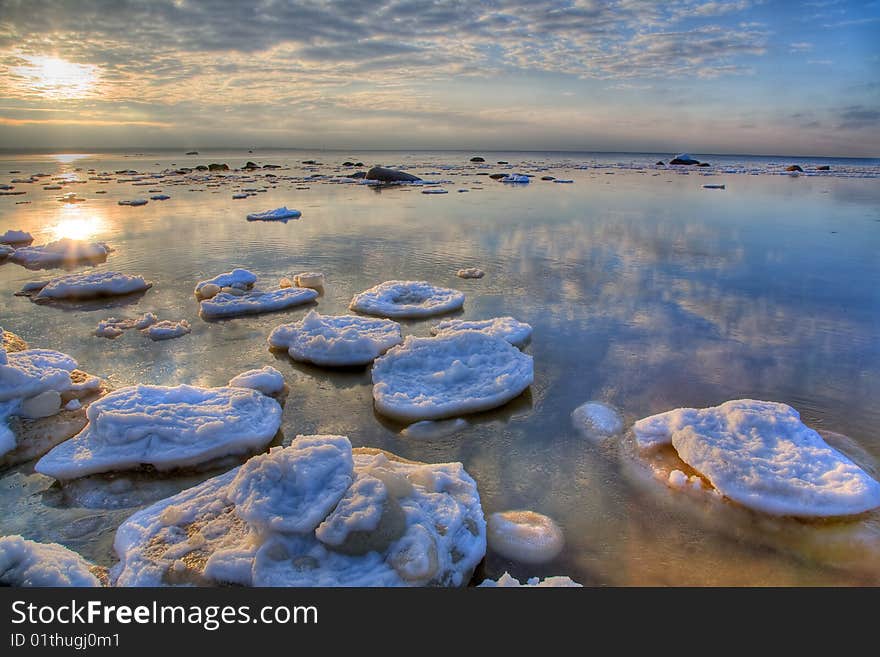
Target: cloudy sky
column 740, row 76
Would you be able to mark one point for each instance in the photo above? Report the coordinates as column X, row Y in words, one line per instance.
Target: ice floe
column 113, row 327
column 166, row 428
column 167, row 330
column 597, row 420
column 762, row 456
column 267, row 380
column 16, row 237
column 312, row 279
column 63, row 252
column 253, row 302
column 278, row 214
column 237, row 278
column 89, row 285
column 524, row 536
column 515, row 332
column 336, row 340
column 447, row 376
column 508, row 581
column 25, row 563
column 316, row 513
column 470, row 272
column 407, row 299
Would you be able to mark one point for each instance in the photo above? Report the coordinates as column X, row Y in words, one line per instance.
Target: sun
column 57, row 78
column 77, row 223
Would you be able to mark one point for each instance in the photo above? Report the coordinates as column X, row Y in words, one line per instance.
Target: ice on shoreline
column 336, row 340
column 317, row 513
column 25, row 563
column 515, row 332
column 166, row 428
column 448, row 376
column 760, row 455
column 407, row 299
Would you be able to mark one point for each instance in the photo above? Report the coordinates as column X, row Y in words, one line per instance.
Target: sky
column 705, row 76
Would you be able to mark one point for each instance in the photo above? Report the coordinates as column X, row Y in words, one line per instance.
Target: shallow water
column 645, row 291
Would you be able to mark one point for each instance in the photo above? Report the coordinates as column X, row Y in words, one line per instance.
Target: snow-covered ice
column 312, row 279
column 448, row 376
column 16, row 237
column 91, row 285
column 515, row 332
column 114, row 327
column 595, row 419
column 407, row 299
column 336, row 340
column 267, row 380
column 238, row 278
column 165, row 427
column 254, row 302
column 524, row 536
column 60, row 253
column 317, row 513
column 278, row 214
column 29, row 563
column 762, row 456
column 470, row 272
column 167, row 330
column 508, row 581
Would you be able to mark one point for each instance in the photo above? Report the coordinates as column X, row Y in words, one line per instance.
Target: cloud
column 859, row 116
column 800, row 46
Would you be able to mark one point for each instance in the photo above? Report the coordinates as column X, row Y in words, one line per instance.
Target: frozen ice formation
column 165, row 427
column 317, row 513
column 312, row 279
column 241, row 279
column 448, row 376
column 167, row 330
column 29, row 563
column 508, row 581
column 516, row 333
column 470, row 272
column 524, row 536
column 253, row 302
column 90, row 285
column 762, row 456
column 63, row 252
column 407, row 299
column 597, row 420
column 336, row 340
column 278, row 214
column 267, row 380
column 16, row 237
column 432, row 429
column 113, row 327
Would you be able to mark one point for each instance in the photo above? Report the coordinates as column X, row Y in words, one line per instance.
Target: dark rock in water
column 497, row 176
column 704, row 164
column 660, row 164
column 309, row 162
column 358, row 174
column 683, row 158
column 793, row 167
column 201, row 167
column 503, row 162
column 481, row 174
column 251, row 165
column 390, row 175
column 185, row 170
column 348, row 164
column 359, row 164
column 271, row 166
column 824, row 167
column 193, row 153
column 547, row 178
column 478, row 159
column 218, row 167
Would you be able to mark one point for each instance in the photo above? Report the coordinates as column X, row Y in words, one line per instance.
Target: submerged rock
column 478, row 159
column 166, row 428
column 794, row 167
column 760, row 455
column 407, row 299
column 25, row 563
column 215, row 166
column 448, row 376
column 390, row 175
column 317, row 513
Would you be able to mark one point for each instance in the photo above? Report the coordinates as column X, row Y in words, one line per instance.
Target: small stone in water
column 285, row 282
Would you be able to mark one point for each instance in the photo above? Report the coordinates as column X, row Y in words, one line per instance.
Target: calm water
column 644, row 290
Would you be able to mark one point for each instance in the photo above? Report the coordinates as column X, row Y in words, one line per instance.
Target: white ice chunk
column 91, row 285
column 762, row 456
column 166, row 428
column 62, row 252
column 524, row 536
column 32, row 371
column 407, row 299
column 336, row 340
column 240, row 278
column 360, row 509
column 597, row 420
column 255, row 302
column 507, row 580
column 113, row 327
column 312, row 279
column 267, row 380
column 167, row 329
column 278, row 214
column 515, row 178
column 28, row 563
column 15, row 237
column 470, row 272
column 450, row 375
column 515, row 332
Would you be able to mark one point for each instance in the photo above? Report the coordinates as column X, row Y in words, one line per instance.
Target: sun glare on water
column 76, row 222
column 57, row 78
